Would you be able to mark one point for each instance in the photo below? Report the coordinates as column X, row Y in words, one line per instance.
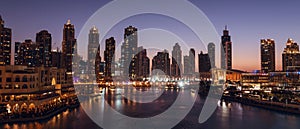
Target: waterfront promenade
column 276, row 106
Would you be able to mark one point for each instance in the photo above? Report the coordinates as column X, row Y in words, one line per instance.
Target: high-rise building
column 97, row 64
column 187, row 65
column 192, row 54
column 43, row 44
column 128, row 49
column 69, row 46
column 57, row 58
column 5, row 44
column 93, row 44
column 27, row 52
column 267, row 54
column 204, row 62
column 226, row 50
column 162, row 62
column 140, row 65
column 109, row 58
column 176, row 66
column 17, row 58
column 212, row 54
column 290, row 55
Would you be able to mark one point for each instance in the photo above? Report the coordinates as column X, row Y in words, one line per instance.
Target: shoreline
column 273, row 106
column 50, row 115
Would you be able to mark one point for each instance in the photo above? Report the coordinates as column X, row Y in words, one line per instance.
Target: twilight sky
column 248, row 22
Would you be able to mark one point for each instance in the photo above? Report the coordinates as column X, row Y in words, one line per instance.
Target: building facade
column 43, row 44
column 31, row 90
column 5, row 44
column 69, row 48
column 267, row 54
column 140, row 65
column 226, row 50
column 128, row 49
column 161, row 62
column 93, row 46
column 204, row 62
column 211, row 50
column 290, row 55
column 109, row 58
column 176, row 66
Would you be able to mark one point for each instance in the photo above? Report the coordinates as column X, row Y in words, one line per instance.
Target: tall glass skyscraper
column 128, row 49
column 93, row 46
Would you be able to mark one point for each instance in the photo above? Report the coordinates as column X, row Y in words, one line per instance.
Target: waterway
column 227, row 115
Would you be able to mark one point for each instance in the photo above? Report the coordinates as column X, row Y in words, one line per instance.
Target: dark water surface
column 227, row 115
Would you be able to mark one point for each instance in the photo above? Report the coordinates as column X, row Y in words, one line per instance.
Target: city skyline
column 254, row 17
column 149, row 64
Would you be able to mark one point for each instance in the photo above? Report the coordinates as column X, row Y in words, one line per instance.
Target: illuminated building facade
column 267, row 55
column 29, row 90
column 290, row 55
column 5, row 43
column 109, row 58
column 226, row 50
column 43, row 44
column 93, row 47
column 128, row 49
column 69, row 49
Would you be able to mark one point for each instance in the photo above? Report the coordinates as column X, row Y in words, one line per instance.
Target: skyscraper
column 176, row 66
column 57, row 58
column 43, row 43
column 26, row 53
column 267, row 54
column 192, row 60
column 226, row 50
column 97, row 66
column 211, row 52
column 128, row 49
column 109, row 58
column 140, row 65
column 17, row 58
column 69, row 46
column 204, row 62
column 161, row 62
column 5, row 44
column 93, row 44
column 290, row 55
column 187, row 65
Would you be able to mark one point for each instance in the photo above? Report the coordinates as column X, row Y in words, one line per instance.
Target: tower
column 290, row 55
column 212, row 54
column 69, row 46
column 226, row 50
column 93, row 47
column 128, row 49
column 109, row 58
column 5, row 44
column 176, row 66
column 43, row 43
column 267, row 54
column 162, row 62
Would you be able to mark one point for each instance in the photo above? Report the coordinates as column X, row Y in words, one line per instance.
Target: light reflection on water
column 227, row 116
